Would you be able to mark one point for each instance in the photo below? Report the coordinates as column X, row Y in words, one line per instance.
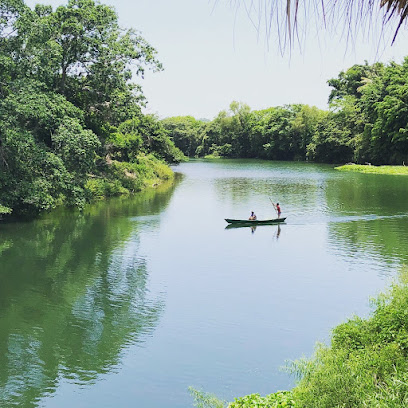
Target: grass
column 395, row 170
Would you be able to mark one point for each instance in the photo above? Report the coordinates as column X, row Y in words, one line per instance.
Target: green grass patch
column 396, row 170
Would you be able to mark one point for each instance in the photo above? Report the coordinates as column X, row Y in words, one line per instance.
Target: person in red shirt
column 278, row 209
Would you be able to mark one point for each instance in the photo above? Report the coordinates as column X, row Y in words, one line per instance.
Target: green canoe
column 254, row 222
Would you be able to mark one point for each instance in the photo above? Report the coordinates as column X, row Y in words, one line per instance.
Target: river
column 131, row 301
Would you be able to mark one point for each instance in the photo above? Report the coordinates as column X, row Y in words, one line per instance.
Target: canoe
column 254, row 222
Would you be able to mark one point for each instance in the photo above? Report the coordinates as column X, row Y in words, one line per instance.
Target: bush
column 121, row 178
column 4, row 210
column 280, row 399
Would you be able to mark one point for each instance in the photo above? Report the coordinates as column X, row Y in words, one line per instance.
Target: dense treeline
column 367, row 122
column 71, row 125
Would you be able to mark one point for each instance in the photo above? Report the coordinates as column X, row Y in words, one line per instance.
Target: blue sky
column 213, row 55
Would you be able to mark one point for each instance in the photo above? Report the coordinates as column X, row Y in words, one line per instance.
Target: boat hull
column 255, row 222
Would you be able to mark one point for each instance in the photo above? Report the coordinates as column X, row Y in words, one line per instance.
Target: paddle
column 273, row 205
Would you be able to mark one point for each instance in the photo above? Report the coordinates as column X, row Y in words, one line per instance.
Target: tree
column 96, row 58
column 332, row 141
column 79, row 51
column 373, row 104
column 185, row 132
column 303, row 127
column 65, row 89
column 385, row 103
column 271, row 134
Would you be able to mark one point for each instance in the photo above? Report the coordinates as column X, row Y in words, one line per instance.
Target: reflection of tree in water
column 278, row 232
column 73, row 295
column 385, row 239
column 368, row 222
column 368, row 194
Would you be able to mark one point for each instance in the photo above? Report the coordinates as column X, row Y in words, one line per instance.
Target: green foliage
column 332, row 141
column 153, row 137
column 348, row 83
column 101, row 188
column 220, row 151
column 4, row 210
column 281, row 133
column 378, row 95
column 125, row 178
column 29, row 106
column 278, row 399
column 185, row 132
column 273, row 138
column 367, row 122
column 395, row 170
column 32, row 178
column 70, row 117
column 76, row 147
column 124, row 144
column 206, row 400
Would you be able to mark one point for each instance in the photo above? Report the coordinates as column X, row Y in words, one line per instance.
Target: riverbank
column 121, row 178
column 114, row 179
column 367, row 168
column 365, row 364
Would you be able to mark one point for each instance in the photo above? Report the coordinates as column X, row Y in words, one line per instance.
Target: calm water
column 132, row 301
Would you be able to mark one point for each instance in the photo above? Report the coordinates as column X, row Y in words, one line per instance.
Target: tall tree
column 65, row 88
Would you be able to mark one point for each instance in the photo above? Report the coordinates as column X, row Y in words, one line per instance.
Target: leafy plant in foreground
column 206, row 400
column 280, row 399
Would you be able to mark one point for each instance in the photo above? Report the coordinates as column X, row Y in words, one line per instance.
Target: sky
column 213, row 54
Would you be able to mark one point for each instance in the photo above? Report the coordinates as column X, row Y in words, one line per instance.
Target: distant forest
column 367, row 121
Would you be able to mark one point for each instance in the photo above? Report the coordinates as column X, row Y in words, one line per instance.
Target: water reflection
column 76, row 290
column 278, row 232
column 73, row 295
column 358, row 194
column 369, row 217
column 384, row 239
column 253, row 228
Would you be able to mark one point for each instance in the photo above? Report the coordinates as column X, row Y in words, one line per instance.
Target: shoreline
column 371, row 169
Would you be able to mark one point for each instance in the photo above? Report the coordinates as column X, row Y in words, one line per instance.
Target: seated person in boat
column 252, row 217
